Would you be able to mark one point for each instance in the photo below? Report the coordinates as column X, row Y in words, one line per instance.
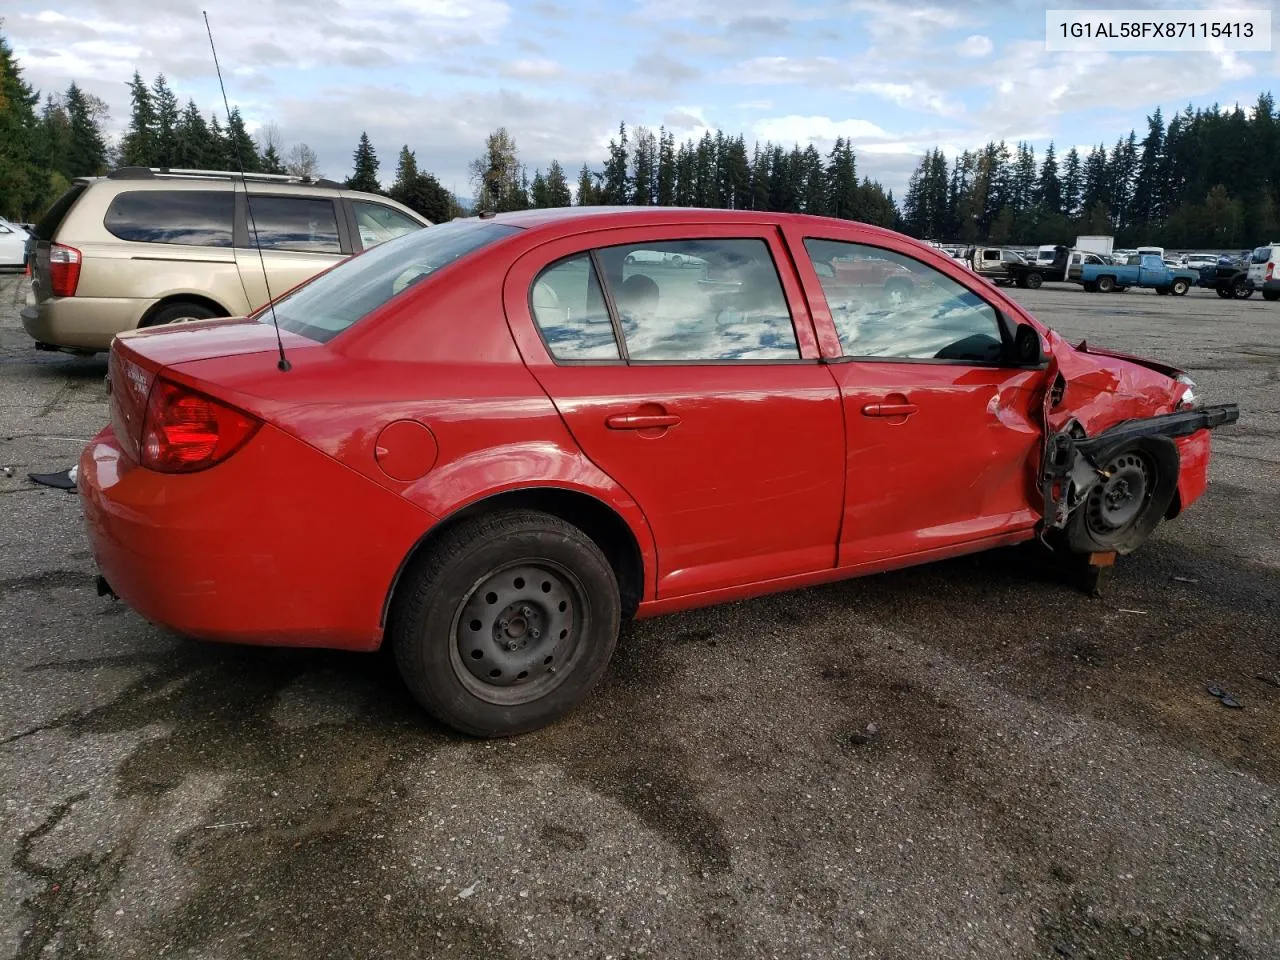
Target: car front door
column 685, row 365
column 943, row 433
column 300, row 236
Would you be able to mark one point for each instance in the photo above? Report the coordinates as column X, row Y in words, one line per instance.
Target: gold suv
column 143, row 246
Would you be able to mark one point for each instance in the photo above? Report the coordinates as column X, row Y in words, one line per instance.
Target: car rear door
column 300, row 236
column 943, row 436
column 696, row 384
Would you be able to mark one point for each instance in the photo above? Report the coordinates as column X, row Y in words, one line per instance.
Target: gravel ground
column 969, row 759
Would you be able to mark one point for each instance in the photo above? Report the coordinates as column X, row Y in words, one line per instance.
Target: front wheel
column 1224, row 292
column 1180, row 288
column 506, row 624
column 1242, row 290
column 1139, row 481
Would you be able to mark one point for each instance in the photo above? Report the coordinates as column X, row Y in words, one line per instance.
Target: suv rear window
column 53, row 218
column 199, row 218
column 334, row 300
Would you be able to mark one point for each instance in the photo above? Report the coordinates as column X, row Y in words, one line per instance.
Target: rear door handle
column 641, row 421
column 889, row 409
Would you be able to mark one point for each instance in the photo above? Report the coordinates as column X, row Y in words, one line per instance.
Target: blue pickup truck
column 1144, row 270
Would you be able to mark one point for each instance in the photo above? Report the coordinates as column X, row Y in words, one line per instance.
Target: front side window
column 302, row 224
column 199, row 218
column 915, row 313
column 569, row 309
column 379, row 223
column 338, row 298
column 700, row 300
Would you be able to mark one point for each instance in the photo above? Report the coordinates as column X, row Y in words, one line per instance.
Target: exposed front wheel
column 1180, row 288
column 1138, row 482
column 1034, row 280
column 506, row 624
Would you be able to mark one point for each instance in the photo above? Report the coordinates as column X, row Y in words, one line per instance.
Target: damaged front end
column 1106, row 493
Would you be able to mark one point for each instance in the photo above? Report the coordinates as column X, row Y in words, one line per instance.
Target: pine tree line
column 1209, row 179
column 648, row 168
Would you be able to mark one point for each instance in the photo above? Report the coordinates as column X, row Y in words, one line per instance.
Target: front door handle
column 889, row 409
column 641, row 421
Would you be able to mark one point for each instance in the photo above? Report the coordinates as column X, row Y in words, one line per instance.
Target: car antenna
column 253, row 225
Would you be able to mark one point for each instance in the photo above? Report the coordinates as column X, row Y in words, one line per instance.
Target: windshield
column 1261, row 255
column 333, row 301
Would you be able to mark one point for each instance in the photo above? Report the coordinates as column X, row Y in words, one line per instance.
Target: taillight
column 64, row 270
column 185, row 431
column 1270, row 269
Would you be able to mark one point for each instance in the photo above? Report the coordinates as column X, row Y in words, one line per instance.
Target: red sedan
column 489, row 442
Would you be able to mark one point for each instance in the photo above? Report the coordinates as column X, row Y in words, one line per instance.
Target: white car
column 13, row 244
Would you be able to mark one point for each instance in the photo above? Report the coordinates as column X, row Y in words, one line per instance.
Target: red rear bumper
column 279, row 545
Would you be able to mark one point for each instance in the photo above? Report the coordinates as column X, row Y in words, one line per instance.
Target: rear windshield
column 1262, row 255
column 336, row 299
column 53, row 218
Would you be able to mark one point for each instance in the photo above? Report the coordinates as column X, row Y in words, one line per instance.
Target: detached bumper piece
column 1072, row 461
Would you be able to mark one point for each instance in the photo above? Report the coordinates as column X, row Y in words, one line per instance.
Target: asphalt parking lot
column 971, row 759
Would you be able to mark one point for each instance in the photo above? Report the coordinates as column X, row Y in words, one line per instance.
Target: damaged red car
column 490, row 442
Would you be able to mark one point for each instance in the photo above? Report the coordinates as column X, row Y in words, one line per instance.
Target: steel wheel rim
column 532, row 618
column 1119, row 500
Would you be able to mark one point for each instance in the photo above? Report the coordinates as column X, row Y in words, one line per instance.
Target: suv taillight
column 64, row 270
column 185, row 431
column 1271, row 266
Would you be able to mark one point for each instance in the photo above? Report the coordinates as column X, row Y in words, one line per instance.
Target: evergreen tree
column 165, row 103
column 617, row 181
column 87, row 147
column 1072, row 183
column 842, row 181
column 1148, row 194
column 270, row 161
column 191, row 139
column 1048, row 196
column 138, row 147
column 644, row 188
column 538, row 195
column 406, row 173
column 666, row 168
column 498, row 175
column 365, row 175
column 23, row 183
column 814, row 177
column 240, row 146
column 558, row 194
column 760, row 177
column 735, row 175
column 588, row 192
column 216, row 152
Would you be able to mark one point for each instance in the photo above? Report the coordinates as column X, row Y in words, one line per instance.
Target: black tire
column 1271, row 296
column 1106, row 284
column 179, row 312
column 1223, row 291
column 561, row 585
column 1121, row 512
column 1242, row 289
column 1034, row 280
column 1180, row 287
column 1090, row 286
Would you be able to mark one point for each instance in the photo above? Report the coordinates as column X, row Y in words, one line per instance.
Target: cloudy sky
column 896, row 76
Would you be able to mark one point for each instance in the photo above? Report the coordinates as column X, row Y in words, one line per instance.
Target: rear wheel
column 1090, row 286
column 1223, row 291
column 1034, row 280
column 183, row 311
column 1242, row 289
column 1162, row 291
column 506, row 624
column 1106, row 284
column 1271, row 295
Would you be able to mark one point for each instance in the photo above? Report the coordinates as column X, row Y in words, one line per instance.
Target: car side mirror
column 1027, row 349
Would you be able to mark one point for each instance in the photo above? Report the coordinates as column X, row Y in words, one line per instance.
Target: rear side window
column 378, row 223
column 53, row 218
column 198, row 218
column 338, row 298
column 568, row 307
column 302, row 224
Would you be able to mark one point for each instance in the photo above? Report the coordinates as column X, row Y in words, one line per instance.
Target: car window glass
column 700, row 300
column 337, row 298
column 303, row 224
column 885, row 304
column 199, row 218
column 569, row 310
column 379, row 223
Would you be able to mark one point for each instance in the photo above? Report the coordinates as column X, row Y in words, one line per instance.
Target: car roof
column 551, row 218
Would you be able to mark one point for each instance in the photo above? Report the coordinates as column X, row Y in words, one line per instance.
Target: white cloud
column 802, row 130
column 541, row 69
column 912, row 96
column 975, row 46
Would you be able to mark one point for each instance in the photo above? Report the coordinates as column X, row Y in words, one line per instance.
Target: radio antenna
column 248, row 205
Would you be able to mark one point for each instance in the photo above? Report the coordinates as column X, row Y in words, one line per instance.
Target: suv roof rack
column 155, row 173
